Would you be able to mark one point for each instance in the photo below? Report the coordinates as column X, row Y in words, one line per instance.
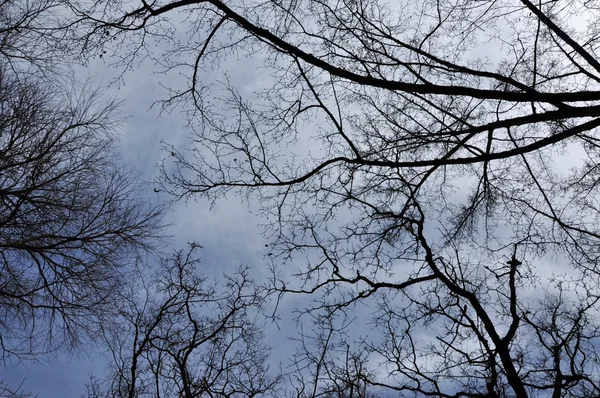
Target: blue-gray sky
column 228, row 231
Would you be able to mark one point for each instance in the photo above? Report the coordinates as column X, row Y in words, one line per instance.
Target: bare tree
column 7, row 391
column 327, row 363
column 72, row 219
column 33, row 37
column 453, row 171
column 178, row 336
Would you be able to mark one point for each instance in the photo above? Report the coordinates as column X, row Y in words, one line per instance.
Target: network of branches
column 430, row 169
column 72, row 220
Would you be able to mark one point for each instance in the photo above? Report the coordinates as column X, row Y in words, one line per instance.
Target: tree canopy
column 434, row 160
column 72, row 220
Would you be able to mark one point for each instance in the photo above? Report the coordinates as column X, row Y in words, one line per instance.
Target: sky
column 229, row 231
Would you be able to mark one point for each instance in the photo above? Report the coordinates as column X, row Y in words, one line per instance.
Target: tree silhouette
column 71, row 217
column 436, row 161
column 177, row 336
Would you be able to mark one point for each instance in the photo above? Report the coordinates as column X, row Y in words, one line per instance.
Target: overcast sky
column 229, row 231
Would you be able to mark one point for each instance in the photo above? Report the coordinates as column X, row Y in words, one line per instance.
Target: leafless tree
column 7, row 391
column 33, row 37
column 178, row 336
column 72, row 219
column 327, row 363
column 453, row 171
